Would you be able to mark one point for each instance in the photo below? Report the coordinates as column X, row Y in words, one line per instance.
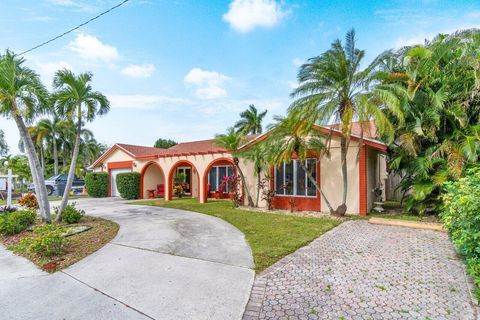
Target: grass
column 78, row 246
column 404, row 216
column 271, row 236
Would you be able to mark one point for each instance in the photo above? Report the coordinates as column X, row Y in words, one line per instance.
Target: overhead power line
column 75, row 28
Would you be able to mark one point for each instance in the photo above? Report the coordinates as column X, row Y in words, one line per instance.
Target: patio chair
column 160, row 190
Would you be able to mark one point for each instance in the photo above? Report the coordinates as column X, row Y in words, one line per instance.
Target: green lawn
column 271, row 236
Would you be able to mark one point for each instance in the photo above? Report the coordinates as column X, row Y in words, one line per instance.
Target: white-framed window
column 216, row 175
column 292, row 180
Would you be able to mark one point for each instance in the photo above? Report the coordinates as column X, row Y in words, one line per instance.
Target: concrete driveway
column 163, row 264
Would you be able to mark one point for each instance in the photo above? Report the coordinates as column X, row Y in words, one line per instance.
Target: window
column 291, row 179
column 216, row 175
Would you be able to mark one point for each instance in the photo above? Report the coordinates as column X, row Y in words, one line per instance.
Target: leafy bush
column 461, row 217
column 28, row 201
column 16, row 222
column 48, row 242
column 71, row 214
column 128, row 185
column 97, row 184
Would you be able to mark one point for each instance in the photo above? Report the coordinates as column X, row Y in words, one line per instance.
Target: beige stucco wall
column 153, row 176
column 118, row 155
column 331, row 178
column 251, row 180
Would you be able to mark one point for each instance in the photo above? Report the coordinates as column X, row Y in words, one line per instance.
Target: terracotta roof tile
column 141, row 151
column 370, row 130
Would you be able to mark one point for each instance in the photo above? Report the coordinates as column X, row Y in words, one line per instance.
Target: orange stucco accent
column 363, row 180
column 180, row 163
column 301, row 203
column 216, row 162
column 120, row 165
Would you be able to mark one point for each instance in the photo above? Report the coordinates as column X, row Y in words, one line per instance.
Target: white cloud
column 208, row 84
column 89, row 47
column 246, row 15
column 139, row 71
column 297, row 62
column 47, row 70
column 138, row 101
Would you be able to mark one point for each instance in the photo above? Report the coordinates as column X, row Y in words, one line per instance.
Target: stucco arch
column 144, row 171
column 177, row 164
column 214, row 162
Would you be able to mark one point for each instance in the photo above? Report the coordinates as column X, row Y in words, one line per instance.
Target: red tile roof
column 207, row 146
column 141, row 151
column 369, row 130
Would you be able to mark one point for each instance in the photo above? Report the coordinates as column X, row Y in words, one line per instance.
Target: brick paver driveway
column 363, row 271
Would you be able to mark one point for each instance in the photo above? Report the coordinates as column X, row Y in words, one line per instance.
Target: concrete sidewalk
column 163, row 264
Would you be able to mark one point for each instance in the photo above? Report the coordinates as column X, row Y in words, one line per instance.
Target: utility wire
column 75, row 28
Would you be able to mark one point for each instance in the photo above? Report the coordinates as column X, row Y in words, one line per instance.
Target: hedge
column 461, row 218
column 128, row 184
column 97, row 184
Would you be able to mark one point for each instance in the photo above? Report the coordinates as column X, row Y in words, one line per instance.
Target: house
column 204, row 164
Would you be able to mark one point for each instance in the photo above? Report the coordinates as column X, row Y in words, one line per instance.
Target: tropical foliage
column 75, row 98
column 128, row 185
column 250, row 121
column 164, row 143
column 460, row 216
column 437, row 129
column 333, row 87
column 3, row 144
column 97, row 184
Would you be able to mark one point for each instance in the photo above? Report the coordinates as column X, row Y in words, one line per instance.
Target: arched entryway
column 191, row 178
column 152, row 181
column 213, row 178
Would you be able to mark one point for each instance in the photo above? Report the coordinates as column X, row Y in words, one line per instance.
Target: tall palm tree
column 22, row 97
column 333, row 86
column 232, row 142
column 257, row 154
column 292, row 136
column 75, row 98
column 251, row 120
column 38, row 135
column 3, row 144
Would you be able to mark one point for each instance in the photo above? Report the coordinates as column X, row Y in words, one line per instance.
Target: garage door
column 113, row 175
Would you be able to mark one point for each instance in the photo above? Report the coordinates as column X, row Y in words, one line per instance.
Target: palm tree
column 51, row 128
column 232, row 142
column 38, row 135
column 257, row 155
column 75, row 98
column 292, row 136
column 3, row 144
column 333, row 87
column 251, row 121
column 22, row 97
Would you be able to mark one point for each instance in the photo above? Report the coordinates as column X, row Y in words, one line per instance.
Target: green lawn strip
column 404, row 216
column 271, row 236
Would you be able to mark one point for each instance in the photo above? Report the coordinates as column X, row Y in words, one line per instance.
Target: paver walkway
column 163, row 264
column 364, row 271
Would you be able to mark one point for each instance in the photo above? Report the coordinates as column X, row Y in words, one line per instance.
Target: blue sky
column 185, row 69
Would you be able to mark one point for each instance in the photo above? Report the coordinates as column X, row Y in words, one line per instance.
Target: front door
column 187, row 172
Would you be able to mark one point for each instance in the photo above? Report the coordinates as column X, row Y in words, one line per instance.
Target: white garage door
column 113, row 174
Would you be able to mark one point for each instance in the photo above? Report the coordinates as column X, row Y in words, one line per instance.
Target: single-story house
column 204, row 165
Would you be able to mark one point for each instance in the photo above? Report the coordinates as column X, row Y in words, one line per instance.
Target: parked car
column 56, row 185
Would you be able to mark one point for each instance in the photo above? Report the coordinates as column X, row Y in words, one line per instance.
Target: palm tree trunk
column 42, row 159
column 55, row 154
column 312, row 180
column 71, row 171
column 244, row 185
column 37, row 174
column 259, row 182
column 342, row 209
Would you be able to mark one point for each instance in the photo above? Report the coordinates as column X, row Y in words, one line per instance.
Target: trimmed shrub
column 71, row 214
column 49, row 240
column 16, row 222
column 128, row 184
column 28, row 201
column 461, row 217
column 97, row 184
